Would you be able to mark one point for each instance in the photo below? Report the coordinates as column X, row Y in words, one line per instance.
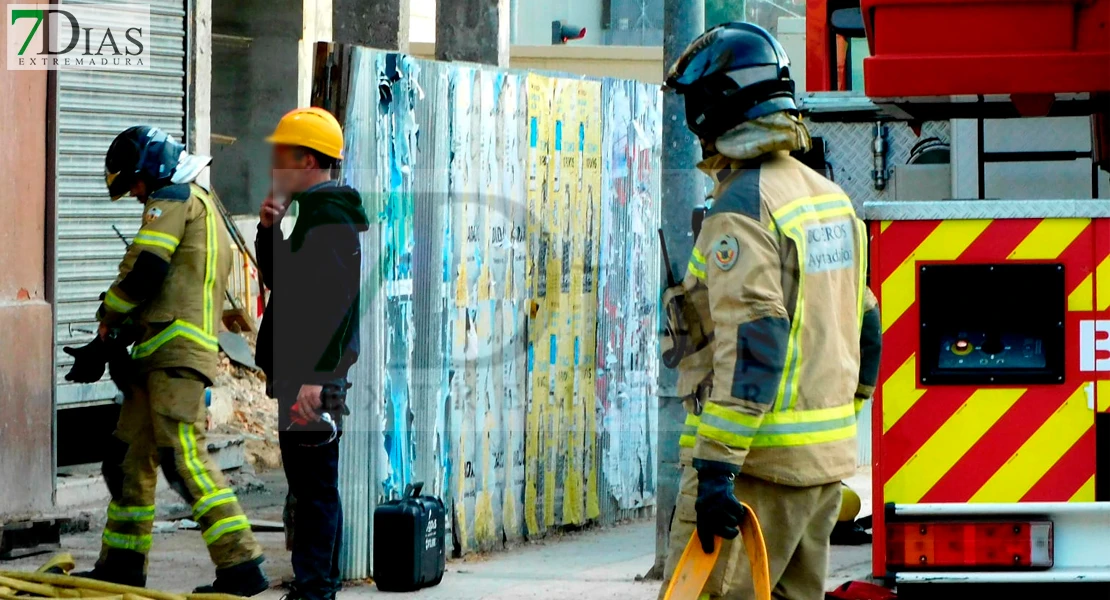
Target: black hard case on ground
column 410, row 537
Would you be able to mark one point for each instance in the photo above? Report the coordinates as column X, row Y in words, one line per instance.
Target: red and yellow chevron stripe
column 985, row 444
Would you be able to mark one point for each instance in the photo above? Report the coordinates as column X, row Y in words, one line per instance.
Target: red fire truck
column 973, row 151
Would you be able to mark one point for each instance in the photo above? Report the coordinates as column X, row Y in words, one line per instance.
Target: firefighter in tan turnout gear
column 168, row 303
column 779, row 335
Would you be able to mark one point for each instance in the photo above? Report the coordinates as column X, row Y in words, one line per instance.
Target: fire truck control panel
column 992, row 324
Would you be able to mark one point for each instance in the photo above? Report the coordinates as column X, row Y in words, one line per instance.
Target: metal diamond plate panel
column 848, row 150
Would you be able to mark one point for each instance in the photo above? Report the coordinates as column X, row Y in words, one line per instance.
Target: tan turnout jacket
column 778, row 279
column 174, row 295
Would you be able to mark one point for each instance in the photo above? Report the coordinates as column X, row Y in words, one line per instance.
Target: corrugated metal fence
column 510, row 290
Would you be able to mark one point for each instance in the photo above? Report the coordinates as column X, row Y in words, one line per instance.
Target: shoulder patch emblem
column 150, row 215
column 725, row 252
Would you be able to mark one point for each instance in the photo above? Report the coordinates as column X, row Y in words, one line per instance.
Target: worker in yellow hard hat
column 308, row 339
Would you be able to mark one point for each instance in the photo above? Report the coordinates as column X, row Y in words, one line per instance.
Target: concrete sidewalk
column 601, row 564
column 596, row 564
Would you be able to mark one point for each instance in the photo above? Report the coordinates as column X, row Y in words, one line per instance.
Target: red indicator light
column 919, row 546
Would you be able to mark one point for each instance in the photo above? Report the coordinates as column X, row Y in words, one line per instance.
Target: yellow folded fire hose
column 48, row 582
column 695, row 566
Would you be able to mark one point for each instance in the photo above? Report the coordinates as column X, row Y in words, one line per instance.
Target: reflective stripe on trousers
column 225, row 526
column 130, row 514
column 195, row 466
column 123, row 541
column 207, row 503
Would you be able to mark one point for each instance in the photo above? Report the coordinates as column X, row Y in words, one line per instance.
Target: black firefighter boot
column 245, row 579
column 123, row 567
column 849, row 533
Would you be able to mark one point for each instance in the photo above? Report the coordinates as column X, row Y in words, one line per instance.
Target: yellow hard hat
column 313, row 128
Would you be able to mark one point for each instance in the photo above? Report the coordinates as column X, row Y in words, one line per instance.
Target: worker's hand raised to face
column 272, row 211
column 719, row 512
column 309, row 402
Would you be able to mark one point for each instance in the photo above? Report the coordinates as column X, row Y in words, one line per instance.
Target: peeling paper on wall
column 399, row 120
column 546, row 404
column 630, row 287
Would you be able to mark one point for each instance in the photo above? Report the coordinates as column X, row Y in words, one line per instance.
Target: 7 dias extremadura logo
column 113, row 37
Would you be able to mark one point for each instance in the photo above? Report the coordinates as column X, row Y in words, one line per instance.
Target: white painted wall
column 316, row 27
column 422, row 21
column 531, row 20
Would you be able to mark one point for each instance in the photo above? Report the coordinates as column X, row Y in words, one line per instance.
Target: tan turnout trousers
column 171, row 291
column 796, row 522
column 162, row 423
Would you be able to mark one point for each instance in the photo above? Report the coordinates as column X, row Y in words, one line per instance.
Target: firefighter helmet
column 733, row 73
column 141, row 153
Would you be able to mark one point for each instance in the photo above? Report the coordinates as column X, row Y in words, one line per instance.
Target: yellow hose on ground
column 66, row 581
column 695, row 566
column 63, row 562
column 52, row 585
column 13, row 596
column 7, row 596
column 79, row 593
column 29, row 587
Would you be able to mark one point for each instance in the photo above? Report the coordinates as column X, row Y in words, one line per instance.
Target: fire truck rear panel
column 983, row 442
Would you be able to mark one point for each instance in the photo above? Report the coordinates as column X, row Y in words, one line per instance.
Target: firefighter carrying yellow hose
column 168, row 302
column 769, row 325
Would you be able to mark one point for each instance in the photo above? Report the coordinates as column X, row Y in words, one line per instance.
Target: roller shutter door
column 92, row 107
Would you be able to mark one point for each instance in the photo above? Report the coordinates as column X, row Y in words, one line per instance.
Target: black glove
column 719, row 512
column 88, row 361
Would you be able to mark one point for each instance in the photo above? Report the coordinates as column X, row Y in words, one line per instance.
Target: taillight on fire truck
column 918, row 546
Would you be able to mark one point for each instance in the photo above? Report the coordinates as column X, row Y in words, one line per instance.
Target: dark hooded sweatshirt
column 309, row 333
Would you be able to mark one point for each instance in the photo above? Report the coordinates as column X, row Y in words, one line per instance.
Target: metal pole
column 683, row 190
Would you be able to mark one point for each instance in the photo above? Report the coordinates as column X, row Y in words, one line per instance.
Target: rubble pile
column 240, row 407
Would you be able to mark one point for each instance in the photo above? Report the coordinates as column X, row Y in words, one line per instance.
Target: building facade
column 26, row 294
